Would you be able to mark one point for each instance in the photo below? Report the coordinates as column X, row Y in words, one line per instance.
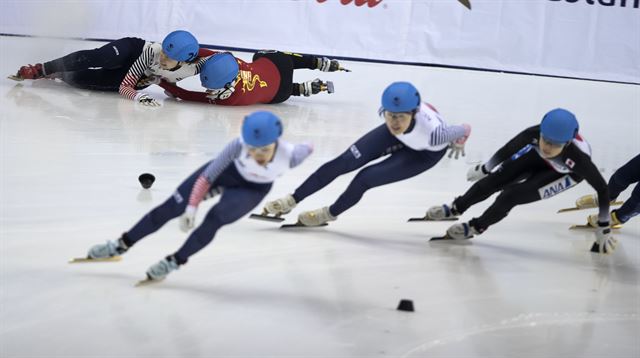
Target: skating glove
column 188, row 219
column 456, row 149
column 477, row 172
column 147, row 100
column 605, row 243
column 457, row 146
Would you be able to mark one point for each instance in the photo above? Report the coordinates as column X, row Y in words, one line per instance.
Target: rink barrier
column 359, row 59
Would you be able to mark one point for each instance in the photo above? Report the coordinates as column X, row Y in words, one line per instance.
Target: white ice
column 528, row 287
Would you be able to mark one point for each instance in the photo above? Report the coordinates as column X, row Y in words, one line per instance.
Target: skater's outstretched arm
column 184, row 94
column 447, row 134
column 127, row 87
column 583, row 166
column 204, row 181
column 213, row 170
column 300, row 153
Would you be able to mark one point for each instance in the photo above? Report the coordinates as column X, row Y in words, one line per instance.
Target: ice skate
column 274, row 209
column 77, row 260
column 29, row 72
column 461, row 231
column 314, row 87
column 592, row 222
column 325, row 64
column 109, row 251
column 613, row 220
column 313, row 218
column 439, row 213
column 159, row 271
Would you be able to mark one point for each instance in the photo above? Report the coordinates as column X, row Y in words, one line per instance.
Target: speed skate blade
column 266, row 218
column 613, row 203
column 581, row 227
column 569, row 209
column 87, row 259
column 301, row 225
column 439, row 238
column 15, row 78
column 344, row 69
column 146, row 282
column 587, row 226
column 427, row 219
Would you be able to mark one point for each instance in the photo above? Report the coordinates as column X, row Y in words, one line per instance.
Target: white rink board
column 571, row 38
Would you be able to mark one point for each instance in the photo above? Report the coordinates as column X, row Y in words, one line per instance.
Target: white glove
column 457, row 146
column 605, row 243
column 146, row 100
column 188, row 219
column 476, row 173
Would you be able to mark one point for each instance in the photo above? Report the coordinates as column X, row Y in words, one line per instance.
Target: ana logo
column 369, row 3
column 556, row 187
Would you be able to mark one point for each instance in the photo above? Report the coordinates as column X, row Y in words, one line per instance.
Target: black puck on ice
column 405, row 305
column 146, row 180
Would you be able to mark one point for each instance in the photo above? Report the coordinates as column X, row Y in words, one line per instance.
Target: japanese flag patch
column 570, row 163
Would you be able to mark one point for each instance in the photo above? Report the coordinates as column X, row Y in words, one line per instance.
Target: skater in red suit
column 231, row 81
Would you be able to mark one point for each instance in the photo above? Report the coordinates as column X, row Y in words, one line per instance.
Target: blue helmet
column 181, row 46
column 261, row 128
column 220, row 69
column 400, row 97
column 559, row 126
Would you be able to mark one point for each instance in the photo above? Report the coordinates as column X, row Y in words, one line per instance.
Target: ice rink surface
column 528, row 287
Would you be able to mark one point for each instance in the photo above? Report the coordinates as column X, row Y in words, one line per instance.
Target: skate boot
column 316, row 217
column 280, row 206
column 461, row 231
column 31, row 72
column 314, row 87
column 614, row 222
column 110, row 249
column 162, row 268
column 442, row 212
column 325, row 64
